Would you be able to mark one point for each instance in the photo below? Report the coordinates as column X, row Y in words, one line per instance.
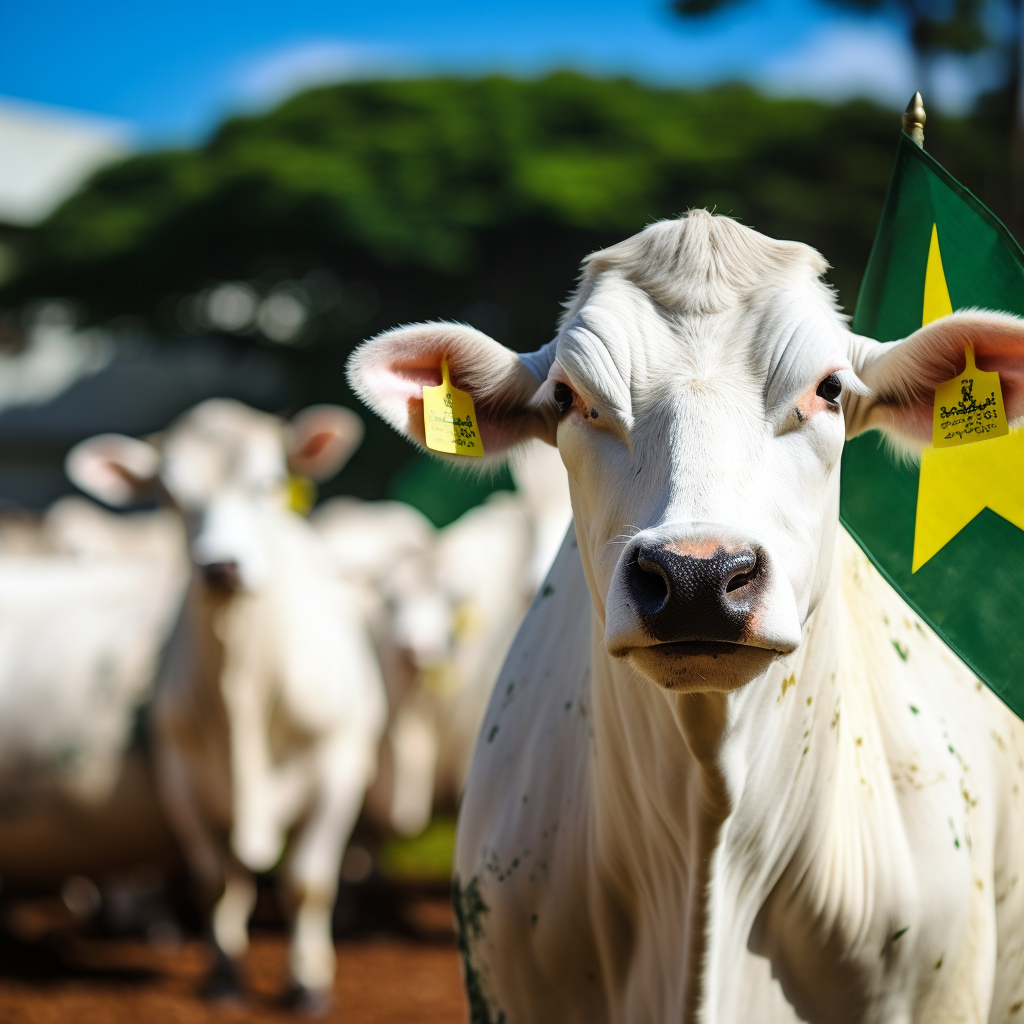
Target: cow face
column 226, row 468
column 421, row 611
column 702, row 447
column 699, row 392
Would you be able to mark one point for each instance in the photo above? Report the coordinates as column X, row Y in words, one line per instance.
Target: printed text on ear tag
column 968, row 408
column 959, row 478
column 449, row 419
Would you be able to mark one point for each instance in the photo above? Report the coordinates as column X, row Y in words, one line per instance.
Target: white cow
column 271, row 706
column 378, row 546
column 86, row 606
column 726, row 776
column 445, row 605
column 543, row 486
column 455, row 612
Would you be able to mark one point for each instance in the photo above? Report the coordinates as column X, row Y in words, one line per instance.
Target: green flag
column 939, row 249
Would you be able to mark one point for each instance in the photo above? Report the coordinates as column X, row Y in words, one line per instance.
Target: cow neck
column 706, row 799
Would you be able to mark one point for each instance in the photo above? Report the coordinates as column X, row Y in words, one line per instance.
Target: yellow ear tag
column 449, row 419
column 301, row 494
column 442, row 678
column 968, row 408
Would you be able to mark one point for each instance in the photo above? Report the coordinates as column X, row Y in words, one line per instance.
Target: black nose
column 222, row 575
column 687, row 597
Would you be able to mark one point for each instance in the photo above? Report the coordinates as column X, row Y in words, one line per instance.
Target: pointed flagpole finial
column 914, row 119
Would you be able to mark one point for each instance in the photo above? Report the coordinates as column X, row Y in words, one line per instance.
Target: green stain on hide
column 470, row 911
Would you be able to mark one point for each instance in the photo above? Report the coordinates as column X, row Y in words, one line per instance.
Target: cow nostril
column 682, row 596
column 649, row 583
column 742, row 575
column 222, row 575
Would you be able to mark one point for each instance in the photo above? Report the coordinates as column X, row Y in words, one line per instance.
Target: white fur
column 444, row 613
column 444, row 607
column 87, row 600
column 271, row 705
column 824, row 825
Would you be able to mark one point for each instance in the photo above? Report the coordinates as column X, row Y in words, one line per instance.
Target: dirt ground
column 53, row 971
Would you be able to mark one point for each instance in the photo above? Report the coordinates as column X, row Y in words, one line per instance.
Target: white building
column 46, row 153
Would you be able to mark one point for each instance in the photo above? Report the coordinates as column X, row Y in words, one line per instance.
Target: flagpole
column 914, row 119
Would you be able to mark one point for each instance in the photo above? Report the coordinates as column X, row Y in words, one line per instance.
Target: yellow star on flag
column 964, row 473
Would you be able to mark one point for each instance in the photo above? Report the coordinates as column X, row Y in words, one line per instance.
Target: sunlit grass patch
column 427, row 856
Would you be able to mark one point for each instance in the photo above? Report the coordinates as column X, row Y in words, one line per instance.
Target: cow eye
column 830, row 388
column 563, row 397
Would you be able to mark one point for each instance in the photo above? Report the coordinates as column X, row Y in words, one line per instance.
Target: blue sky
column 172, row 70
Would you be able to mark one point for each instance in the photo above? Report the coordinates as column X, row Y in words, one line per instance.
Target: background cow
column 445, row 607
column 270, row 707
column 87, row 601
column 376, row 546
column 743, row 781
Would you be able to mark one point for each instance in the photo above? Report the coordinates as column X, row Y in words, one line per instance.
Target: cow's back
column 80, row 642
column 79, row 647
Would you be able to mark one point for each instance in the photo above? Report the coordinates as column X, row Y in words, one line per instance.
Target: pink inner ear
column 915, row 421
column 422, row 376
column 936, row 354
column 390, row 371
column 415, row 415
column 316, row 444
column 419, row 377
column 496, row 433
column 1010, row 368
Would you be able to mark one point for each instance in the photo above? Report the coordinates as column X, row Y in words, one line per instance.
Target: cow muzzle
column 687, row 598
column 705, row 596
column 224, row 577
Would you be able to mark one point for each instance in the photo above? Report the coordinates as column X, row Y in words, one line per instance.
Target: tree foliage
column 447, row 192
column 934, row 26
column 390, row 202
column 444, row 193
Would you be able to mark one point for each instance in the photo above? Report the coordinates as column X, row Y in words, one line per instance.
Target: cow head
column 699, row 391
column 226, row 467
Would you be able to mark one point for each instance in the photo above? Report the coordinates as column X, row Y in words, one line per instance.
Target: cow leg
column 200, row 849
column 414, row 743
column 212, row 868
column 314, row 865
column 230, row 925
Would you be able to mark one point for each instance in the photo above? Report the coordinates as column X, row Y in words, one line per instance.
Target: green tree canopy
column 390, row 202
column 446, row 192
column 452, row 191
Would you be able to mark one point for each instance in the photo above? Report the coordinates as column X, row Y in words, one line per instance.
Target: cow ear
column 117, row 470
column 902, row 376
column 322, row 439
column 390, row 371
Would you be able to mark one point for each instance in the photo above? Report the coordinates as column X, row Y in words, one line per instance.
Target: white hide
column 582, row 858
column 370, row 542
column 478, row 565
column 86, row 606
column 445, row 605
column 80, row 640
column 367, row 538
column 75, row 526
column 271, row 705
column 543, row 486
column 821, row 820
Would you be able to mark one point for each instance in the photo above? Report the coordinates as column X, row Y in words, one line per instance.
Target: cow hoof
column 309, row 1002
column 224, row 984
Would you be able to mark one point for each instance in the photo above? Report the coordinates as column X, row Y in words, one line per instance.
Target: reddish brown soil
column 52, row 975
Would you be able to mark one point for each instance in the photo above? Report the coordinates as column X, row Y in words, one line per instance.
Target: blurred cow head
column 226, row 468
column 422, row 611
